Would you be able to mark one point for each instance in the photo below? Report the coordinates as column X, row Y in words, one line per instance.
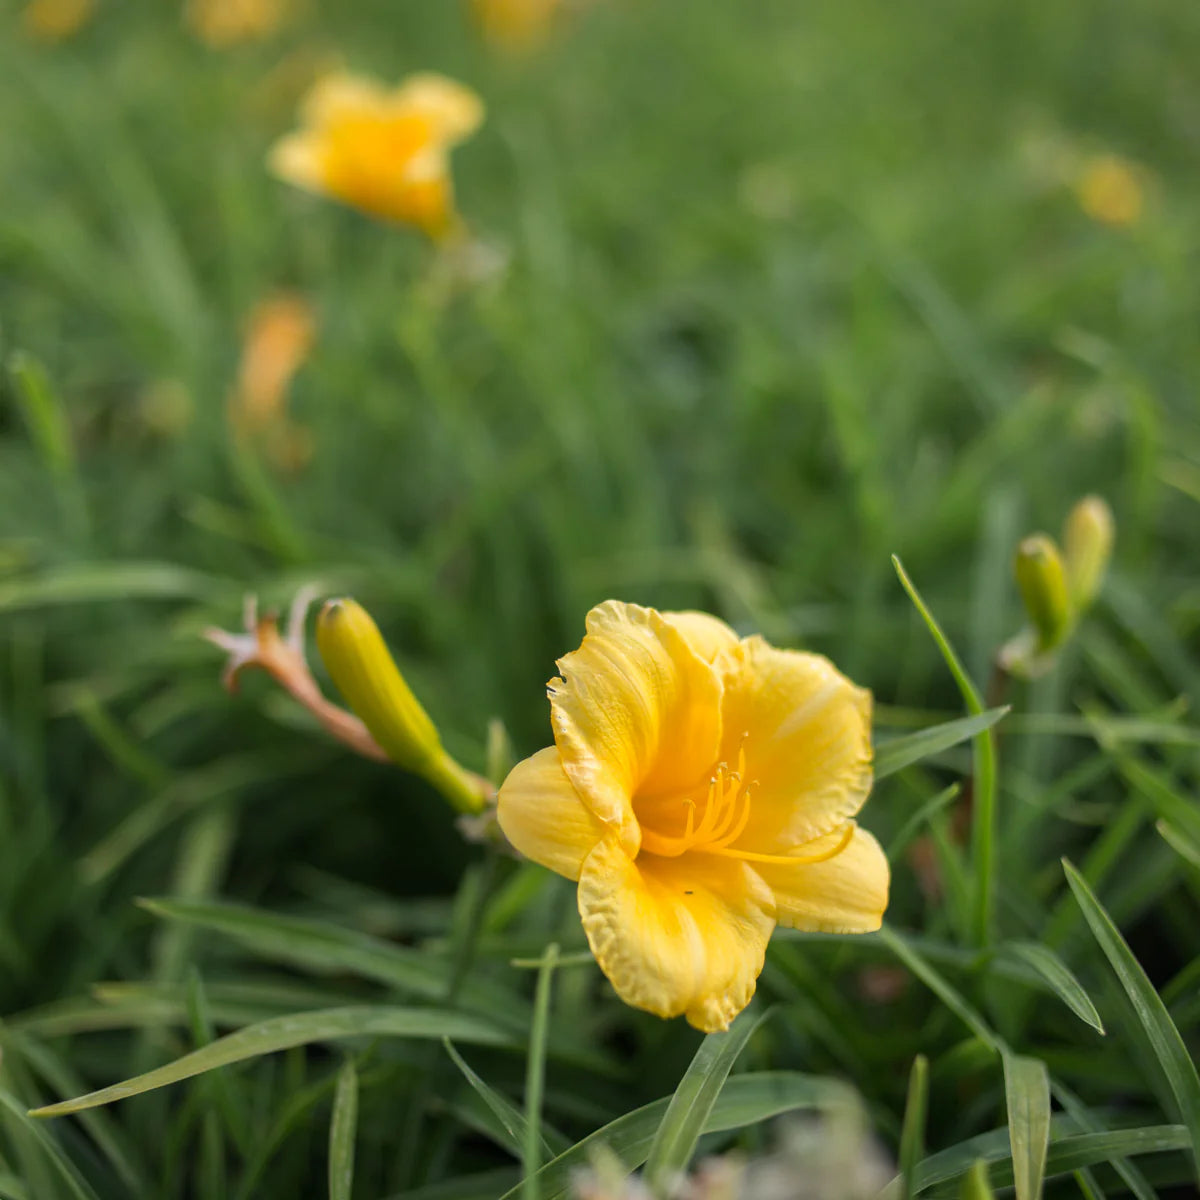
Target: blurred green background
column 778, row 290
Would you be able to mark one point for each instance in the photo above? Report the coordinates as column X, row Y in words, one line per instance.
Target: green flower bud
column 357, row 659
column 1043, row 583
column 1087, row 544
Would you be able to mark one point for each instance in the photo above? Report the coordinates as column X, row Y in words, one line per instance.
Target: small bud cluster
column 1058, row 586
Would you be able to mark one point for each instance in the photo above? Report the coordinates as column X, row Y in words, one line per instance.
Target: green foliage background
column 790, row 288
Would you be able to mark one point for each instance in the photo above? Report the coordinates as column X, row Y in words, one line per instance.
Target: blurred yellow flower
column 701, row 789
column 1111, row 190
column 224, row 23
column 384, row 151
column 516, row 24
column 279, row 337
column 55, row 20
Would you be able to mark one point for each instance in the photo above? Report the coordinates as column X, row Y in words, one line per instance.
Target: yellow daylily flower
column 224, row 23
column 1111, row 190
column 516, row 24
column 701, row 789
column 55, row 20
column 382, row 150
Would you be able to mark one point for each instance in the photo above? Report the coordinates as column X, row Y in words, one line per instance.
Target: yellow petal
column 297, row 159
column 844, row 894
column 637, row 711
column 676, row 935
column 705, row 634
column 542, row 816
column 808, row 749
column 340, row 95
column 454, row 110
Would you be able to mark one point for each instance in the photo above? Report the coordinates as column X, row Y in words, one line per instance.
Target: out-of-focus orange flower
column 279, row 336
column 224, row 23
column 382, row 150
column 516, row 24
column 55, row 20
column 1111, row 190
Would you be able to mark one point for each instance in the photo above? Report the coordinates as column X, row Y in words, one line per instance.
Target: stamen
column 787, row 860
column 739, row 826
column 691, row 821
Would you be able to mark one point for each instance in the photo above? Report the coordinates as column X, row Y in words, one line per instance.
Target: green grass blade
column 902, row 752
column 511, row 1119
column 93, row 583
column 937, row 983
column 1087, row 1122
column 281, row 1033
column 1057, row 975
column 926, row 812
column 745, row 1100
column 912, row 1135
column 44, row 413
column 343, row 1125
column 1151, row 1012
column 983, row 830
column 1027, row 1094
column 314, row 945
column 535, row 1075
column 676, row 1138
column 1183, row 844
column 64, row 1168
column 1066, row 1154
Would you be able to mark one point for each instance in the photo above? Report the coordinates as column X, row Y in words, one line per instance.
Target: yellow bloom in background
column 279, row 337
column 1111, row 190
column 224, row 23
column 516, row 24
column 382, row 150
column 55, row 20
column 701, row 789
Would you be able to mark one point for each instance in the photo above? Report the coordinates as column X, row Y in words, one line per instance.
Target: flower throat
column 727, row 809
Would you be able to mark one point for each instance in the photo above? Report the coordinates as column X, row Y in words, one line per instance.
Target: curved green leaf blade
column 1168, row 1046
column 983, row 828
column 745, row 1100
column 535, row 1072
column 342, row 1127
column 1027, row 1094
column 1057, row 975
column 937, row 983
column 511, row 1119
column 314, row 945
column 76, row 1185
column 281, row 1033
column 912, row 1136
column 1066, row 1154
column 902, row 752
column 676, row 1138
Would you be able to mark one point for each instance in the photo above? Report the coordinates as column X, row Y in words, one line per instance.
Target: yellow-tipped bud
column 358, row 660
column 1043, row 583
column 975, row 1184
column 1087, row 544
